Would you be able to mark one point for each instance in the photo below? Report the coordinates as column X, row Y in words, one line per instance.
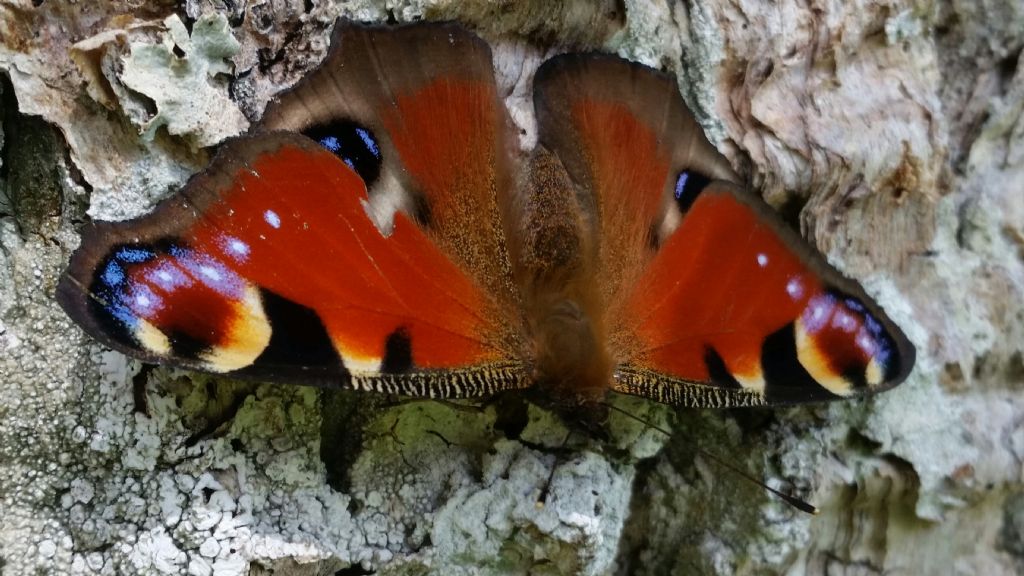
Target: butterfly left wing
column 424, row 94
column 267, row 265
column 710, row 299
column 375, row 259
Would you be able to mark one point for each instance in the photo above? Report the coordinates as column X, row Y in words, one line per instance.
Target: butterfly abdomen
column 554, row 262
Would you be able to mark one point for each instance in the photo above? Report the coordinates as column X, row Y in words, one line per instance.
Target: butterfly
column 380, row 230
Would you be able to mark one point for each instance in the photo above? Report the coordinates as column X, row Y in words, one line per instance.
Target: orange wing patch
column 728, row 301
column 282, row 223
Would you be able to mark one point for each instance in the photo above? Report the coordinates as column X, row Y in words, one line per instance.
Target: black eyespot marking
column 689, row 185
column 786, row 379
column 653, row 241
column 421, row 211
column 717, row 370
column 353, row 144
column 184, row 345
column 397, row 352
column 298, row 338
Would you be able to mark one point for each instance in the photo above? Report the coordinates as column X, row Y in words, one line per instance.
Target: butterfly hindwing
column 623, row 133
column 377, row 230
column 710, row 300
column 426, row 95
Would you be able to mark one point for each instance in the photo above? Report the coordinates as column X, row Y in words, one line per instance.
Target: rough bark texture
column 891, row 133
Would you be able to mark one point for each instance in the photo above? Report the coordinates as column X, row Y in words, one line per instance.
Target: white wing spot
column 795, row 288
column 844, row 321
column 211, row 273
column 865, row 342
column 818, row 310
column 272, row 218
column 239, row 247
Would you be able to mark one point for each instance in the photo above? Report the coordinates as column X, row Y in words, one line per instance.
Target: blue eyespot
column 855, row 305
column 178, row 251
column 355, row 145
column 368, row 141
column 689, row 185
column 133, row 254
column 113, row 274
column 111, row 290
column 331, row 143
column 681, row 183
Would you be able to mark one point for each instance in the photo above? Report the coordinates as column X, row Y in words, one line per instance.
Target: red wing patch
column 709, row 299
column 728, row 301
column 290, row 224
column 448, row 134
column 426, row 96
column 613, row 140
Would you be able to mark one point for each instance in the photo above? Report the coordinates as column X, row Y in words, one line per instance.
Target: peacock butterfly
column 380, row 230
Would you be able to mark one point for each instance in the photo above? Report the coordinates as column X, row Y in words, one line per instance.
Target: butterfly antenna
column 542, row 498
column 793, row 501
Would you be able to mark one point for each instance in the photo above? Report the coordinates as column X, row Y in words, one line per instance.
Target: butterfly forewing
column 392, row 241
column 710, row 300
column 624, row 134
column 733, row 299
column 276, row 263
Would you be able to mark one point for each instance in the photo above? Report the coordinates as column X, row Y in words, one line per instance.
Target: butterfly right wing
column 735, row 299
column 711, row 300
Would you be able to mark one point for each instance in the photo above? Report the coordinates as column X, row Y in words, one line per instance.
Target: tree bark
column 890, row 133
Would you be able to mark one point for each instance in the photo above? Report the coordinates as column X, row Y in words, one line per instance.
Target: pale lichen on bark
column 894, row 127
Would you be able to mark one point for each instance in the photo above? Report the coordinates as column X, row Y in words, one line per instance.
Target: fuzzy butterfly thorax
column 555, row 262
column 380, row 230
